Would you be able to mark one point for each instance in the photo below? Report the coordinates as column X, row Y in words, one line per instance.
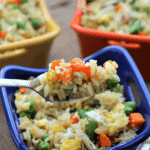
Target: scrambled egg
column 71, row 144
column 119, row 107
column 108, row 99
column 104, row 18
column 50, row 74
column 41, row 123
column 116, row 122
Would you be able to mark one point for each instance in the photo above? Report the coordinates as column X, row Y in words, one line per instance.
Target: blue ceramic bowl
column 127, row 71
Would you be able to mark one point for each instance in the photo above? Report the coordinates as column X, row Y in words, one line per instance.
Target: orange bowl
column 91, row 40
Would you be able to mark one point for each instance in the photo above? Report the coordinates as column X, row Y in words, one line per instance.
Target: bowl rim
column 7, row 108
column 39, row 39
column 76, row 25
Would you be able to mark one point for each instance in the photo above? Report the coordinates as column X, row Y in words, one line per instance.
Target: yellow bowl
column 33, row 51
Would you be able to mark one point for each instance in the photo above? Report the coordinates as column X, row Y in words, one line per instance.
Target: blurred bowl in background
column 34, row 51
column 91, row 40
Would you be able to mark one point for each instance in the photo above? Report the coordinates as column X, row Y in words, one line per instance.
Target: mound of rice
column 65, row 125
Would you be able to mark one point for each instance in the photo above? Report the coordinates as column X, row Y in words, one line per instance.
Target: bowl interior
column 127, row 71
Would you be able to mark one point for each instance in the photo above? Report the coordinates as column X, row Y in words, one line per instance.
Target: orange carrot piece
column 77, row 64
column 15, row 1
column 3, row 33
column 67, row 74
column 118, row 7
column 136, row 120
column 104, row 140
column 26, row 36
column 74, row 119
column 87, row 71
column 23, row 90
column 55, row 63
column 142, row 33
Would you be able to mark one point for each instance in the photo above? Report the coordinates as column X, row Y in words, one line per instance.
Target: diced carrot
column 3, row 33
column 104, row 140
column 142, row 33
column 87, row 71
column 67, row 74
column 55, row 63
column 26, row 36
column 136, row 120
column 15, row 1
column 118, row 7
column 74, row 119
column 77, row 64
column 23, row 90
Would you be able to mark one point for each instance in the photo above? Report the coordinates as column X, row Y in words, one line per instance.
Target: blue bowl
column 127, row 71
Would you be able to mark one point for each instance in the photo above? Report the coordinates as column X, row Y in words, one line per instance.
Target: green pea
column 134, row 29
column 131, row 104
column 31, row 135
column 44, row 137
column 32, row 104
column 32, row 113
column 1, row 27
column 24, row 114
column 31, row 109
column 15, row 23
column 117, row 89
column 43, row 146
column 82, row 114
column 90, row 127
column 89, row 1
column 35, row 23
column 111, row 83
column 128, row 110
column 116, row 3
column 123, row 1
column 22, row 25
column 135, row 7
column 15, row 6
column 145, row 9
column 132, row 2
column 89, row 109
column 103, row 24
column 24, row 1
